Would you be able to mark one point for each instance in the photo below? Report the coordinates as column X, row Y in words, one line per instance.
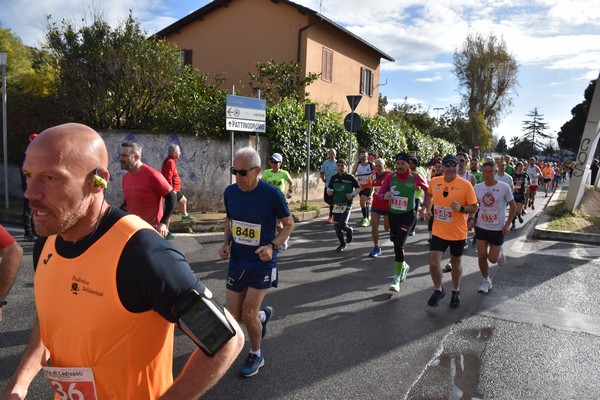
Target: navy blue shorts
column 380, row 212
column 259, row 278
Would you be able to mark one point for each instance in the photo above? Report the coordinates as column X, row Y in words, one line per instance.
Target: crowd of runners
column 457, row 194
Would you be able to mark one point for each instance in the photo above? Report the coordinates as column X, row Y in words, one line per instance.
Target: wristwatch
column 273, row 246
column 3, row 302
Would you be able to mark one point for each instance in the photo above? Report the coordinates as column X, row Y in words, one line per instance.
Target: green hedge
column 287, row 133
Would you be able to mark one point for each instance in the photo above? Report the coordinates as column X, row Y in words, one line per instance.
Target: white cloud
column 429, row 79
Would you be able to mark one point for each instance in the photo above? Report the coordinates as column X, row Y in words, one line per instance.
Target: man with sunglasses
column 453, row 201
column 343, row 188
column 253, row 208
column 400, row 189
column 278, row 178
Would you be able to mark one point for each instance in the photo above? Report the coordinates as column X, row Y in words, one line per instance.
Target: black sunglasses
column 242, row 172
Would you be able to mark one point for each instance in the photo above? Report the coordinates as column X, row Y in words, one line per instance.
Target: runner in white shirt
column 502, row 176
column 492, row 223
column 535, row 174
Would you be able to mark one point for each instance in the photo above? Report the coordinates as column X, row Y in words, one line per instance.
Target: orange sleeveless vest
column 84, row 324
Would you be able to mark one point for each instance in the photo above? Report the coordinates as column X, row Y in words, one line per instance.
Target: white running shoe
column 501, row 259
column 395, row 286
column 404, row 272
column 486, row 286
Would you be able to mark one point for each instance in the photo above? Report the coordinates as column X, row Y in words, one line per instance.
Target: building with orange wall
column 230, row 36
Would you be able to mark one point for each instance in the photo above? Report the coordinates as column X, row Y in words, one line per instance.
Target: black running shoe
column 349, row 235
column 435, row 298
column 341, row 248
column 455, row 299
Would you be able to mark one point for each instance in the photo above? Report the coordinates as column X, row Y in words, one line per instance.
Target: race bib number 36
column 246, row 233
column 72, row 383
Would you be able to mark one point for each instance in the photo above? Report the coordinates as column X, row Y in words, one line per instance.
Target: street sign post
column 245, row 114
column 351, row 123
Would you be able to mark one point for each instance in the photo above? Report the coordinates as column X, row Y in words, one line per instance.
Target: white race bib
column 245, row 233
column 443, row 213
column 489, row 217
column 399, row 203
column 72, row 383
column 363, row 179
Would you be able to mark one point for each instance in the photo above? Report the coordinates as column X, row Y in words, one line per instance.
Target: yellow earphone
column 100, row 181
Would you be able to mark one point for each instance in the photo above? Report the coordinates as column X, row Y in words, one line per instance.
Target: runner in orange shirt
column 548, row 173
column 453, row 199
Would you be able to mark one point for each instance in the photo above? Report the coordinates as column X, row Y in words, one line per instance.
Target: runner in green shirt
column 278, row 178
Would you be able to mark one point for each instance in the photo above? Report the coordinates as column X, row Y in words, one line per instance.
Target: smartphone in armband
column 203, row 319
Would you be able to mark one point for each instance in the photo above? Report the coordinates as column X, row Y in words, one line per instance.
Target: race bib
column 72, row 383
column 489, row 217
column 363, row 179
column 443, row 213
column 399, row 203
column 517, row 186
column 246, row 233
column 339, row 208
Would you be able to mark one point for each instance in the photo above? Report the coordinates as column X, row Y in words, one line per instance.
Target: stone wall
column 203, row 167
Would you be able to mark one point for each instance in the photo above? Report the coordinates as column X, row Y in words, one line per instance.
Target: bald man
column 107, row 287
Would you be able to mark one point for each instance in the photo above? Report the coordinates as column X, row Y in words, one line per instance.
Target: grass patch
column 214, row 229
column 561, row 219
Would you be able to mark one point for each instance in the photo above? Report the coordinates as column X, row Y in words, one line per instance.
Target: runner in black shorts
column 520, row 182
column 492, row 223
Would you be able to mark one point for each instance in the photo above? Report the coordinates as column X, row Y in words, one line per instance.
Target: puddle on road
column 454, row 375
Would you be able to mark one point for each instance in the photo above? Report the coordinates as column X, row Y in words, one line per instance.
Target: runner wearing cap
column 343, row 188
column 453, row 200
column 278, row 178
column 400, row 190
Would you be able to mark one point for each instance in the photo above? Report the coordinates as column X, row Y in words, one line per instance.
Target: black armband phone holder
column 203, row 319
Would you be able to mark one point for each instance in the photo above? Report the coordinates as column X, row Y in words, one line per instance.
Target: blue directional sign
column 245, row 114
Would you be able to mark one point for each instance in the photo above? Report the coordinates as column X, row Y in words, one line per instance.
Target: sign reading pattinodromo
column 245, row 114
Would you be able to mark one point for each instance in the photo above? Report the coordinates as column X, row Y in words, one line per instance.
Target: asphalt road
column 338, row 333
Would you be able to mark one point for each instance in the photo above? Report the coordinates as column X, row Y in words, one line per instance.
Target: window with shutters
column 185, row 56
column 327, row 65
column 366, row 81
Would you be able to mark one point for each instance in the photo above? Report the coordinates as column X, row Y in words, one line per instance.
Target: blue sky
column 555, row 42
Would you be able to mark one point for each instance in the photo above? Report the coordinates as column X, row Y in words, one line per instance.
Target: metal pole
column 4, row 147
column 350, row 156
column 257, row 137
column 232, row 136
column 307, row 163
